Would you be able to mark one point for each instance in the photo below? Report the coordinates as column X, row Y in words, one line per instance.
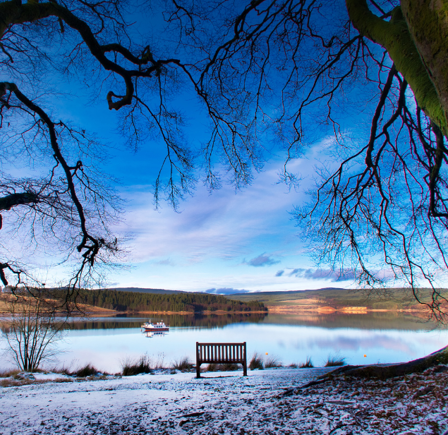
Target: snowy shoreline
column 228, row 403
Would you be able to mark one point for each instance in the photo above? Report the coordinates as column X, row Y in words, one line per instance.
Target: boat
column 155, row 326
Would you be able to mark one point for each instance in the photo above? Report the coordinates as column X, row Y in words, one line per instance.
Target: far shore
column 288, row 309
column 284, row 309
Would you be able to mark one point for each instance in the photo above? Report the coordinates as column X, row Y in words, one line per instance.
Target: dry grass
column 256, row 362
column 87, row 370
column 335, row 361
column 9, row 373
column 272, row 362
column 132, row 368
column 308, row 364
column 183, row 364
column 11, row 382
column 212, row 368
column 159, row 363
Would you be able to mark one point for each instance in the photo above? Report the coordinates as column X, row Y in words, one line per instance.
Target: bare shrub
column 33, row 330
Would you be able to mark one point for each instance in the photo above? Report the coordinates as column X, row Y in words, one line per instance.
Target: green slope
column 388, row 299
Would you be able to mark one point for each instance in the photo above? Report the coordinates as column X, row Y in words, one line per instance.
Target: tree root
column 379, row 371
column 393, row 370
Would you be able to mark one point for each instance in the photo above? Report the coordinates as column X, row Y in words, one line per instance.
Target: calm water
column 382, row 337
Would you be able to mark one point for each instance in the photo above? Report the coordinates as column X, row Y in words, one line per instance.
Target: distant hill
column 340, row 299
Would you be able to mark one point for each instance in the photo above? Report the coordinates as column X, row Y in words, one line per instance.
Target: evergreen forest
column 182, row 301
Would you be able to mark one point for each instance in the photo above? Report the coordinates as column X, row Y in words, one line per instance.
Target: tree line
column 132, row 301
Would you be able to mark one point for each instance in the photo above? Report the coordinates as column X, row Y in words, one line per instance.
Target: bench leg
column 245, row 368
column 198, row 370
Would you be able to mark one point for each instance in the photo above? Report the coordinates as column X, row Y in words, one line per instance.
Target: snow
column 265, row 402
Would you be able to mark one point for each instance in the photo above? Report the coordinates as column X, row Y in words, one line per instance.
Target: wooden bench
column 220, row 353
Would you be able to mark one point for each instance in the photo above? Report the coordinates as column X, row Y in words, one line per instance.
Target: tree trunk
column 390, row 371
column 416, row 41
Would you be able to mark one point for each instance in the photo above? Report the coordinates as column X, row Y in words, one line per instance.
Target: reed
column 256, row 362
column 335, row 361
column 308, row 364
column 87, row 370
column 272, row 362
column 132, row 368
column 183, row 364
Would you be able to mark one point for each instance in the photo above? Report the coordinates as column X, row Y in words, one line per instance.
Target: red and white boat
column 155, row 327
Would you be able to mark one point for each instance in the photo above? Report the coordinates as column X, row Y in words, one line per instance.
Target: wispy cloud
column 280, row 273
column 225, row 225
column 322, row 274
column 261, row 260
column 165, row 262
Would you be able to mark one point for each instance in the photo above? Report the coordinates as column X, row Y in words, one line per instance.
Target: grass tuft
column 256, row 362
column 184, row 365
column 308, row 364
column 87, row 370
column 272, row 362
column 132, row 368
column 335, row 361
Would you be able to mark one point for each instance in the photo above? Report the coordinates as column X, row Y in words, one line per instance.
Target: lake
column 381, row 337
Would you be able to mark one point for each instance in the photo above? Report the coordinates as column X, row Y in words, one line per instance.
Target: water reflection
column 382, row 337
column 148, row 334
column 197, row 320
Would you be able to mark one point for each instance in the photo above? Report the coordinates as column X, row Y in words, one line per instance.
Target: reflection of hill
column 174, row 320
column 375, row 320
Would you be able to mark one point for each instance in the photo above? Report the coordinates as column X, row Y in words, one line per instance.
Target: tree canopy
column 263, row 71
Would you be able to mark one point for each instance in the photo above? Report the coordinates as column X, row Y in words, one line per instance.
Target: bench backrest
column 221, row 352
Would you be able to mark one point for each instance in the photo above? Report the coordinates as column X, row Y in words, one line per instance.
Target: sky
column 226, row 241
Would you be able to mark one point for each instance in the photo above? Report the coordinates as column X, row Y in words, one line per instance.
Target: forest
column 136, row 302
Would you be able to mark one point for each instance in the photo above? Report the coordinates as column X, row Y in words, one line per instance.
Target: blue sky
column 224, row 241
column 245, row 240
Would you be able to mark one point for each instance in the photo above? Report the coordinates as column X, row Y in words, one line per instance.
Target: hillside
column 331, row 300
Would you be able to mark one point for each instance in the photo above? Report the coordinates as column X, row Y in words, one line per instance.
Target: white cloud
column 223, row 225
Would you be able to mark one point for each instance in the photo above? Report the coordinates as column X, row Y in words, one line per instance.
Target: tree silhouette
column 263, row 71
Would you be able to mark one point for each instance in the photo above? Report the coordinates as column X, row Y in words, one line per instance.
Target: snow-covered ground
column 228, row 403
